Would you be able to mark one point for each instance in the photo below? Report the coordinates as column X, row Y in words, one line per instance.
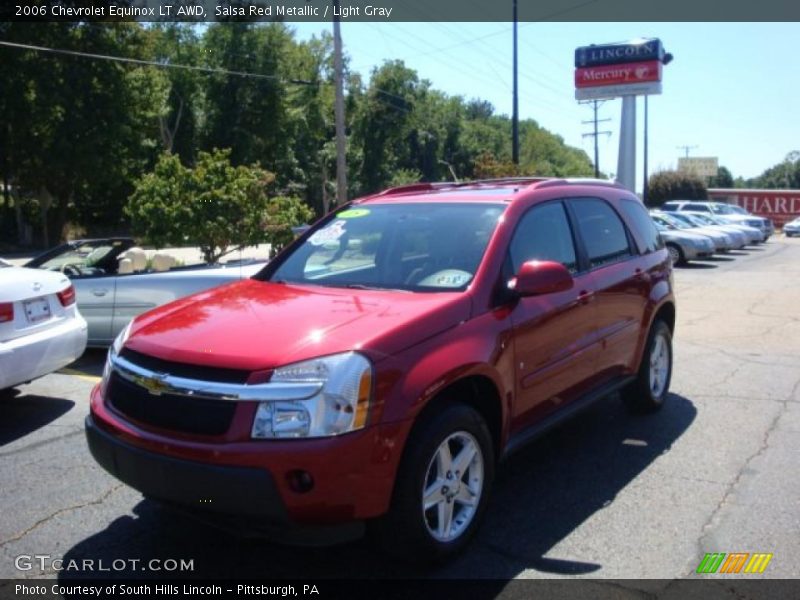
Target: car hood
column 683, row 234
column 257, row 325
column 708, row 231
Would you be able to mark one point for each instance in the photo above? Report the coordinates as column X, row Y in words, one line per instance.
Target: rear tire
column 646, row 394
column 442, row 487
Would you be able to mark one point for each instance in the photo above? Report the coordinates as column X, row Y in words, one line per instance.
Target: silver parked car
column 736, row 240
column 792, row 228
column 114, row 281
column 752, row 235
column 684, row 246
column 722, row 241
column 731, row 211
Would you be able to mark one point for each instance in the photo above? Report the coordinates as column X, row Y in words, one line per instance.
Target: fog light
column 300, row 481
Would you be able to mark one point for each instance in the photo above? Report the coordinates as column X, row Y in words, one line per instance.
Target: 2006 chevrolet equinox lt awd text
column 375, row 372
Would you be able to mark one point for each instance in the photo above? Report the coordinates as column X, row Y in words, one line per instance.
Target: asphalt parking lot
column 607, row 495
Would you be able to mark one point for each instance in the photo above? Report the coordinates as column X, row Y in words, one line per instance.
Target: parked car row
column 690, row 233
column 728, row 213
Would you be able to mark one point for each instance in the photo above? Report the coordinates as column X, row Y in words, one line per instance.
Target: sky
column 732, row 90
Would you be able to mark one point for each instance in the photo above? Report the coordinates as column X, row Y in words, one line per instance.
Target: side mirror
column 537, row 277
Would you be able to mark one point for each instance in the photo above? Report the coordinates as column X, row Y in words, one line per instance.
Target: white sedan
column 41, row 329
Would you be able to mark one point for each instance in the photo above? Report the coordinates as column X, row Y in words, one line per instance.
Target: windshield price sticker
column 329, row 234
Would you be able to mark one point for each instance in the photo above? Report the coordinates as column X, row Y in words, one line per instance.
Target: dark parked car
column 378, row 369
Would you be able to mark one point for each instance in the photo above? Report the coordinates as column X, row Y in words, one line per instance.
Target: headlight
column 341, row 405
column 113, row 351
column 121, row 339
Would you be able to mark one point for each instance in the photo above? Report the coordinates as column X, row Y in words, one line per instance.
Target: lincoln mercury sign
column 614, row 70
column 618, row 74
column 610, row 54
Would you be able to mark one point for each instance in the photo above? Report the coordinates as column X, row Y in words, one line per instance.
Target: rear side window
column 697, row 206
column 640, row 219
column 602, row 231
column 544, row 233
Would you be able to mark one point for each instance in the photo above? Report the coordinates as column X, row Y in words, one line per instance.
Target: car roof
column 497, row 190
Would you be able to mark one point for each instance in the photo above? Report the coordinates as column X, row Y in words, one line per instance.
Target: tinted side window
column 602, row 231
column 544, row 233
column 697, row 206
column 638, row 216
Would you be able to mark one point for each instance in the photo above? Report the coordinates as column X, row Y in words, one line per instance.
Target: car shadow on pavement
column 696, row 265
column 717, row 258
column 91, row 362
column 21, row 414
column 541, row 495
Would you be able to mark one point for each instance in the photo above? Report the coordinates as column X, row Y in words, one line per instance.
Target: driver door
column 95, row 296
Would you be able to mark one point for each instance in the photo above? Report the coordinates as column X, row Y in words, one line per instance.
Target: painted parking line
column 80, row 375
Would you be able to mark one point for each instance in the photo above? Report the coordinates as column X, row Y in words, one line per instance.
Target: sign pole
column 626, row 160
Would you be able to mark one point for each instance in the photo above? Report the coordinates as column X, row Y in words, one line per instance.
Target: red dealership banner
column 620, row 74
column 779, row 205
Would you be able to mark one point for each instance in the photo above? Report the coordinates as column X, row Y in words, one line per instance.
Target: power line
column 207, row 70
column 154, row 63
column 596, row 134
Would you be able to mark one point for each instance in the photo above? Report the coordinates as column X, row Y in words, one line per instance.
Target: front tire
column 646, row 394
column 442, row 487
column 676, row 254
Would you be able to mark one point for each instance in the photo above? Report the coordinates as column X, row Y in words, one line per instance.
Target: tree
column 282, row 214
column 675, row 185
column 215, row 205
column 78, row 129
column 784, row 175
column 723, row 179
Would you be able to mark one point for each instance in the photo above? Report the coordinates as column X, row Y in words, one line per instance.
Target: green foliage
column 723, row 179
column 784, row 175
column 215, row 205
column 282, row 214
column 405, row 177
column 674, row 185
column 80, row 133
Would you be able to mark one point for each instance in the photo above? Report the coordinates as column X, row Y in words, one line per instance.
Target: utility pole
column 645, row 184
column 686, row 149
column 341, row 147
column 515, row 100
column 595, row 134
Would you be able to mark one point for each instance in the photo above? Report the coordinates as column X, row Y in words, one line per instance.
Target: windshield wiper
column 361, row 286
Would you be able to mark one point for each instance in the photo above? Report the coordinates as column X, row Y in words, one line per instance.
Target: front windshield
column 415, row 246
column 705, row 220
column 85, row 255
column 663, row 222
column 684, row 220
column 724, row 209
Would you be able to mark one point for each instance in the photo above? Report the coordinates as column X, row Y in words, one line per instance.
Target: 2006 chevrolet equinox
column 379, row 368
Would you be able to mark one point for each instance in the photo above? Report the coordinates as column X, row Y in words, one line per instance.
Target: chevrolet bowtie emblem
column 153, row 384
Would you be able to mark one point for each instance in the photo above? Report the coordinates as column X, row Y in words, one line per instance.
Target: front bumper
column 244, row 500
column 37, row 354
column 232, row 475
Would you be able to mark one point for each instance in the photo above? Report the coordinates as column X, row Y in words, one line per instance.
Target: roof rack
column 526, row 182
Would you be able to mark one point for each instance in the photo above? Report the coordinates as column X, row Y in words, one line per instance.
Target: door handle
column 585, row 296
column 99, row 291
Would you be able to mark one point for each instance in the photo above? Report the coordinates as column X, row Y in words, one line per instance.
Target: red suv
column 378, row 369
